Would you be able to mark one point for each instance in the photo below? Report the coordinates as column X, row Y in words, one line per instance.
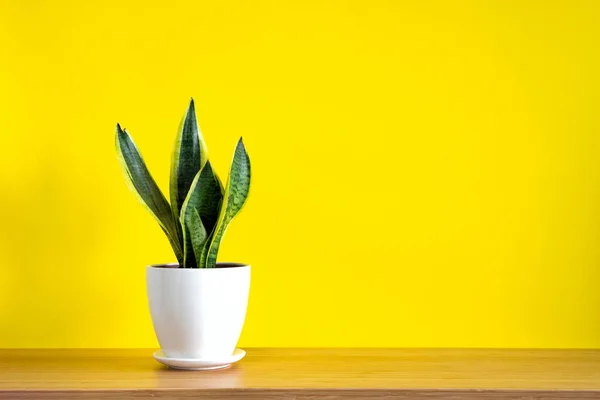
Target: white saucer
column 199, row 364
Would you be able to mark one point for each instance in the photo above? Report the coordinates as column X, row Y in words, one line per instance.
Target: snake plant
column 200, row 209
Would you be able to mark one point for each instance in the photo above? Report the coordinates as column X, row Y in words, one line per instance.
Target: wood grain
column 306, row 374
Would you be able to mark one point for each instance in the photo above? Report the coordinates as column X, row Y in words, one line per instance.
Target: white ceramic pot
column 198, row 312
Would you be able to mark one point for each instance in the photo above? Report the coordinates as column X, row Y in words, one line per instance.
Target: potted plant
column 198, row 305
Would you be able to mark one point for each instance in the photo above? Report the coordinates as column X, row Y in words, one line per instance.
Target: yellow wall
column 426, row 173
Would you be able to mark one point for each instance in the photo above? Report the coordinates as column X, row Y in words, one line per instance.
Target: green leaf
column 203, row 258
column 145, row 188
column 189, row 156
column 236, row 193
column 204, row 198
column 195, row 237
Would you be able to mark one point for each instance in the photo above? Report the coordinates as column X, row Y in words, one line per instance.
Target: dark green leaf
column 204, row 198
column 189, row 156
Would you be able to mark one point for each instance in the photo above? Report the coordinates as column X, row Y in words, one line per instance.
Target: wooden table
column 306, row 374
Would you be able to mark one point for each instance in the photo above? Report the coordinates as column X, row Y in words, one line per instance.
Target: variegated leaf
column 146, row 190
column 236, row 193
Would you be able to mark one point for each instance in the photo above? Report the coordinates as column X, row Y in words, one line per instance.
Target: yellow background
column 425, row 173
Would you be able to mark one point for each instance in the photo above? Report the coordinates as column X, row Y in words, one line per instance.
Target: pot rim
column 220, row 266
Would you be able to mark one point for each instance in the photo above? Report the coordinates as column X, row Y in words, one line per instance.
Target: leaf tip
column 241, row 146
